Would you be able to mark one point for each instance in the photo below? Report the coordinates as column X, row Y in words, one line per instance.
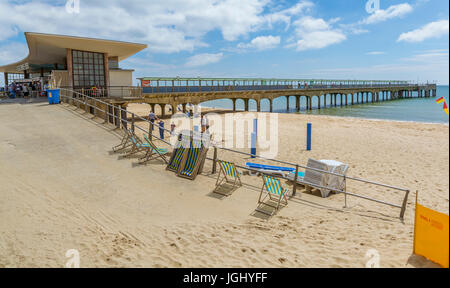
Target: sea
column 411, row 110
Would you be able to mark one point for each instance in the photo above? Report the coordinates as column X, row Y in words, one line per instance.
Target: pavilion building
column 73, row 62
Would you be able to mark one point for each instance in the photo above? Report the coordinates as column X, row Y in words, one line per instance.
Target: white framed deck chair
column 230, row 176
column 125, row 143
column 275, row 192
column 153, row 152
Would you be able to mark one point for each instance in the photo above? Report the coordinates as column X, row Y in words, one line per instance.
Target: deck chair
column 191, row 162
column 275, row 193
column 125, row 143
column 137, row 146
column 153, row 152
column 178, row 153
column 229, row 172
column 313, row 178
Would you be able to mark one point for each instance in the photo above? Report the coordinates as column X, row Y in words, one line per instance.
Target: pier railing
column 124, row 92
column 129, row 120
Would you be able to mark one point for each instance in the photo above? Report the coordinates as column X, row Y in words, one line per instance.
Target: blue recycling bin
column 53, row 96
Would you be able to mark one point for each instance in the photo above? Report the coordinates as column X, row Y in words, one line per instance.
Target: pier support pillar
column 434, row 92
column 246, row 105
column 335, row 100
column 287, row 103
column 271, row 107
column 318, row 102
column 325, row 101
column 346, row 99
column 258, row 105
column 163, row 110
column 297, row 103
column 234, row 104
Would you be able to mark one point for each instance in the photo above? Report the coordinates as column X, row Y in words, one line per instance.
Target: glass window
column 88, row 69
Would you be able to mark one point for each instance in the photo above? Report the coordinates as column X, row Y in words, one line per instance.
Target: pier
column 173, row 92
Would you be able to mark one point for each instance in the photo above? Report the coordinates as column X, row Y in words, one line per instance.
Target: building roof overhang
column 47, row 49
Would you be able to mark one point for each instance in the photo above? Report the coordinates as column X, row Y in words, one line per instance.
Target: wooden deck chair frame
column 272, row 196
column 200, row 155
column 237, row 178
column 137, row 146
column 125, row 143
column 152, row 153
column 177, row 155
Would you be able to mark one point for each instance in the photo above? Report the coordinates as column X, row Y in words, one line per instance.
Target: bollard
column 308, row 137
column 253, row 146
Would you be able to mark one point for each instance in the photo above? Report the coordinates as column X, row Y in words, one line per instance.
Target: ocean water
column 415, row 109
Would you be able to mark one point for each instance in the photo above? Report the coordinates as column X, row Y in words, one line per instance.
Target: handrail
column 135, row 116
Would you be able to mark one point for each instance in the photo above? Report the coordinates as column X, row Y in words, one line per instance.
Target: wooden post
column 214, row 167
column 294, row 189
column 405, row 202
column 132, row 122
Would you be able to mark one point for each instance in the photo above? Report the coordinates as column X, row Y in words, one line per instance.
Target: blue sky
column 328, row 39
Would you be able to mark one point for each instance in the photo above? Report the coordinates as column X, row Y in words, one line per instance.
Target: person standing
column 152, row 118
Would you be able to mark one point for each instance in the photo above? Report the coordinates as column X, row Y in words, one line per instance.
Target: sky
column 325, row 39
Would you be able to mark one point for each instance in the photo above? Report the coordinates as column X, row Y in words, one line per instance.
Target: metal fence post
column 106, row 113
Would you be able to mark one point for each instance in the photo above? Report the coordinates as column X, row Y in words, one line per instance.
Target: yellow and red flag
column 440, row 100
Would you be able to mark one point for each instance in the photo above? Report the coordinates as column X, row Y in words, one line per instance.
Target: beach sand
column 61, row 189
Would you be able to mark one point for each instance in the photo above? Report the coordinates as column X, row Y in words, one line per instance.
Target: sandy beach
column 61, row 189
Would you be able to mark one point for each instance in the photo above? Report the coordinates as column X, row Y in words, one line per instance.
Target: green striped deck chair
column 153, row 152
column 125, row 143
column 189, row 167
column 275, row 192
column 230, row 175
column 178, row 154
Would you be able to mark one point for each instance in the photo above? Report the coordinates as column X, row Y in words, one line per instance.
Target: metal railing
column 237, row 88
column 120, row 119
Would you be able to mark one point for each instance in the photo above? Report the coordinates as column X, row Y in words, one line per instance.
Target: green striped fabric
column 192, row 158
column 177, row 158
column 273, row 186
column 229, row 169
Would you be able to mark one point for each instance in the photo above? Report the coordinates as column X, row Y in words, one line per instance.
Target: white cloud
column 285, row 15
column 203, row 59
column 262, row 43
column 316, row 33
column 391, row 12
column 375, row 53
column 165, row 25
column 431, row 30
